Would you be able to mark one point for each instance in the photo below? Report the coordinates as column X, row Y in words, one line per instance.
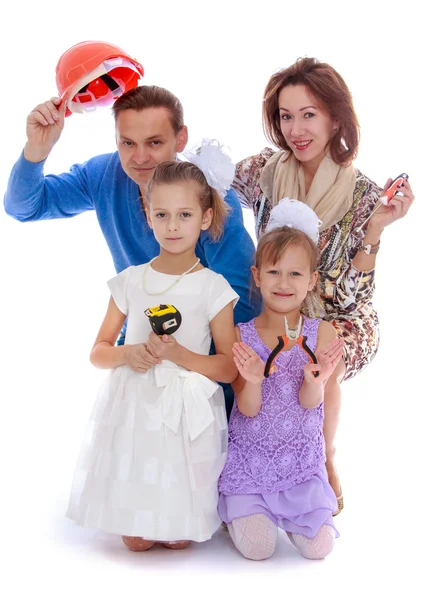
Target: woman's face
column 306, row 128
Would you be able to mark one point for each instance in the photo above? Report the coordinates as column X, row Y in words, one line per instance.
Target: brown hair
column 174, row 171
column 151, row 96
column 273, row 245
column 327, row 87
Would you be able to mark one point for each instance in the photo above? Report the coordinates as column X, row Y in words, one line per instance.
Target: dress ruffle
column 303, row 509
column 154, row 449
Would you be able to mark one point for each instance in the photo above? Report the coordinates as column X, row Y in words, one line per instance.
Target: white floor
column 376, row 556
column 49, row 555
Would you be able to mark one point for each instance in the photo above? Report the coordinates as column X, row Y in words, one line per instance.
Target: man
column 149, row 130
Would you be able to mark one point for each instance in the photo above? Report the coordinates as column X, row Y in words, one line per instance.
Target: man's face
column 146, row 139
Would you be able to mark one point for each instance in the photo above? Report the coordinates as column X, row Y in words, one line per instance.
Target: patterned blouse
column 345, row 291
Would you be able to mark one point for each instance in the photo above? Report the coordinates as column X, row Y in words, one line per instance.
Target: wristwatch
column 370, row 248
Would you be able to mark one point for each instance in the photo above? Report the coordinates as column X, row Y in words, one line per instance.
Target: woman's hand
column 394, row 210
column 249, row 364
column 327, row 360
column 165, row 347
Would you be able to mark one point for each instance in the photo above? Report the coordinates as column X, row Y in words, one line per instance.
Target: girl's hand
column 395, row 209
column 327, row 360
column 249, row 364
column 139, row 358
column 165, row 347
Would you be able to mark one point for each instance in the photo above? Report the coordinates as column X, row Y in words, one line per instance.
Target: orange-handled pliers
column 282, row 342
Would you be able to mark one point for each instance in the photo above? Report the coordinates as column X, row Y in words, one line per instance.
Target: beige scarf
column 331, row 191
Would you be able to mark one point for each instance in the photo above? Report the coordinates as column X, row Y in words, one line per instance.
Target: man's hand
column 44, row 127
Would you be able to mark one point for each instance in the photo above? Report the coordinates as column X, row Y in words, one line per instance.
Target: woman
column 308, row 114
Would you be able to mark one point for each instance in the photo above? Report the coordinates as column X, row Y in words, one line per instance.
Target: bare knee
column 137, row 544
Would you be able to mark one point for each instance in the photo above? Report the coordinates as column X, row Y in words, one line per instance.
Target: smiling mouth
column 302, row 145
column 140, row 169
column 282, row 295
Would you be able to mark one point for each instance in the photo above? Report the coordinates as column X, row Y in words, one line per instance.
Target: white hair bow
column 218, row 168
column 293, row 213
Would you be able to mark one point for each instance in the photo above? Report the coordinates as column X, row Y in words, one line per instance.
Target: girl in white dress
column 157, row 438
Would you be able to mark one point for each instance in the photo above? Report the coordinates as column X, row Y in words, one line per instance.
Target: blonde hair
column 174, row 171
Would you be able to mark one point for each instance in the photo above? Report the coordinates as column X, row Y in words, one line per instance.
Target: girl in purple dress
column 275, row 473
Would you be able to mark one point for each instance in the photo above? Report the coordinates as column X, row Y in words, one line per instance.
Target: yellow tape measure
column 164, row 319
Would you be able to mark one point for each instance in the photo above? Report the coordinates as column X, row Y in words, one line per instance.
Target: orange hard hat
column 92, row 74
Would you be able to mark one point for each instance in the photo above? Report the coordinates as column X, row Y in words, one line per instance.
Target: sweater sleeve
column 232, row 257
column 33, row 196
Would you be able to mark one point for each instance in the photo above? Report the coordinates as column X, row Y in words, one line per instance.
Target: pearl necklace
column 144, row 276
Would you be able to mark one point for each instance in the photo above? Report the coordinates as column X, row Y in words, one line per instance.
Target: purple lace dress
column 276, row 461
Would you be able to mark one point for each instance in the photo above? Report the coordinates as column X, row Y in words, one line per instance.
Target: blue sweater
column 100, row 184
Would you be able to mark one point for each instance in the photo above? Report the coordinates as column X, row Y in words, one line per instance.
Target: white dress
column 156, row 442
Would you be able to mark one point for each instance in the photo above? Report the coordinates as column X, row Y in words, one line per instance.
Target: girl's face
column 176, row 217
column 285, row 284
column 306, row 128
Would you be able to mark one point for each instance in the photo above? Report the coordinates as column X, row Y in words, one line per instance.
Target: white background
column 216, row 57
